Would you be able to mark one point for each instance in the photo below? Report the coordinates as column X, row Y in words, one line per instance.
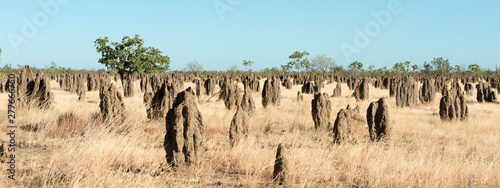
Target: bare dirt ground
column 423, row 151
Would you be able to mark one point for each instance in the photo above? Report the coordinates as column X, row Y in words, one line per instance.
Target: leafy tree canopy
column 356, row 66
column 194, row 67
column 474, row 68
column 130, row 56
column 441, row 65
column 322, row 63
column 415, row 68
column 247, row 63
column 399, row 67
column 336, row 69
column 299, row 60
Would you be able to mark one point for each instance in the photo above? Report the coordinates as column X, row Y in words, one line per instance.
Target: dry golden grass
column 423, row 151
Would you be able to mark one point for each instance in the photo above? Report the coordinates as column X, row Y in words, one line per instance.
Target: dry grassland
column 423, row 151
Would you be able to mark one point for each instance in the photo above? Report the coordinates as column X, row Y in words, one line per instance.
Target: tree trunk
column 496, row 69
column 121, row 72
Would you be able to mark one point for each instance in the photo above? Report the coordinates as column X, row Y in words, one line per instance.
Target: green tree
column 322, row 63
column 299, row 60
column 247, row 64
column 52, row 68
column 457, row 69
column 194, row 67
column 497, row 70
column 371, row 68
column 0, row 55
column 400, row 67
column 129, row 56
column 384, row 71
column 441, row 65
column 428, row 67
column 415, row 68
column 407, row 66
column 337, row 69
column 356, row 66
column 475, row 68
column 286, row 68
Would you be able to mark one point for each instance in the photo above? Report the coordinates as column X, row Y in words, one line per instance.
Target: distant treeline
column 355, row 69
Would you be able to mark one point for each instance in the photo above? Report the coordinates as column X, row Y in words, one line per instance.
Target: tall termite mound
column 239, row 127
column 337, row 92
column 81, row 89
column 230, row 94
column 200, row 87
column 247, row 102
column 362, row 91
column 428, row 91
column 209, row 86
column 321, row 110
column 452, row 105
column 484, row 92
column 288, row 83
column 33, row 91
column 280, row 171
column 346, row 118
column 406, row 92
column 377, row 117
column 184, row 131
column 271, row 93
column 111, row 104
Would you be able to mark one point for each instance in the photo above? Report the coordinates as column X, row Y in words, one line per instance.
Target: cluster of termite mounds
column 312, row 85
column 452, row 105
column 377, row 115
column 230, row 93
column 160, row 96
column 346, row 119
column 406, row 91
column 32, row 91
column 361, row 91
column 165, row 99
column 485, row 93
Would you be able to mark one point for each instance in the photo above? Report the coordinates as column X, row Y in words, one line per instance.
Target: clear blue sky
column 266, row 32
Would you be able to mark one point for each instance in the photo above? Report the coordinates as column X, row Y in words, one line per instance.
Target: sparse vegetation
column 322, row 63
column 194, row 67
column 247, row 63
